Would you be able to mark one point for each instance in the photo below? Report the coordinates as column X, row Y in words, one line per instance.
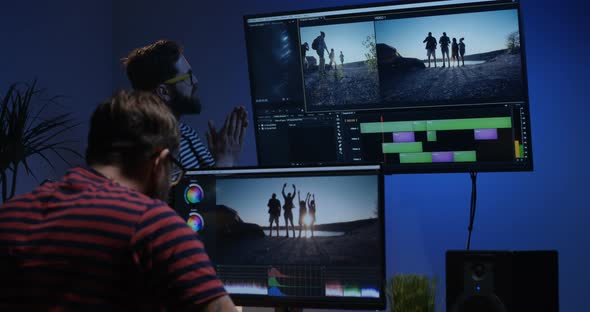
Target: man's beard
column 186, row 105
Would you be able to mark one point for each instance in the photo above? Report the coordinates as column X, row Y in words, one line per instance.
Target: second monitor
column 296, row 237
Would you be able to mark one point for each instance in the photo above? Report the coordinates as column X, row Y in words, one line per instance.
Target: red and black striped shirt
column 87, row 243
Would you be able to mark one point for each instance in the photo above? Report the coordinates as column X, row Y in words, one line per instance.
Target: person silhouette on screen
column 455, row 51
column 288, row 207
column 304, row 49
column 311, row 208
column 274, row 211
column 444, row 42
column 302, row 214
column 462, row 50
column 341, row 59
column 320, row 47
column 332, row 59
column 430, row 48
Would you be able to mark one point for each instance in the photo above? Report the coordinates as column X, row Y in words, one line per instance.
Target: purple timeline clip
column 403, row 137
column 442, row 157
column 486, row 134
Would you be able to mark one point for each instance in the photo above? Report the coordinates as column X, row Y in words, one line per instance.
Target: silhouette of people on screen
column 455, row 52
column 302, row 214
column 319, row 45
column 444, row 42
column 288, row 207
column 341, row 59
column 311, row 211
column 332, row 59
column 462, row 50
column 304, row 49
column 430, row 48
column 274, row 211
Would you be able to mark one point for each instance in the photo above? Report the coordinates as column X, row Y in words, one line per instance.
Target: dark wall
column 67, row 46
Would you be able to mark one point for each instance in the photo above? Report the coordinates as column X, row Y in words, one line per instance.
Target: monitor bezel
column 347, row 303
column 512, row 166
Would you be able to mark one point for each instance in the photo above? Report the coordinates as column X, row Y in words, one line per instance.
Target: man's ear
column 163, row 92
column 161, row 157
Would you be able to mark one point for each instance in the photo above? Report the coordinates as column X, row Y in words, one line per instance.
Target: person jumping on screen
column 462, row 51
column 311, row 211
column 288, row 207
column 302, row 214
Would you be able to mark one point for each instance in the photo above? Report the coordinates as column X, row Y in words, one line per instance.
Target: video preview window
column 330, row 215
column 339, row 65
column 454, row 58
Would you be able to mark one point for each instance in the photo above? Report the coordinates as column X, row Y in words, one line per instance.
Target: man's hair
column 128, row 128
column 149, row 66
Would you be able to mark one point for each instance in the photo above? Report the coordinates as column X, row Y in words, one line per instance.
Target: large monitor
column 331, row 255
column 435, row 86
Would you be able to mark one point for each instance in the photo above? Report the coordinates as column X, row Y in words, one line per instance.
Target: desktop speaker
column 501, row 281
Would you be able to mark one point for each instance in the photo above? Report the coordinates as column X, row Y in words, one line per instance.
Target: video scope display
column 434, row 86
column 297, row 237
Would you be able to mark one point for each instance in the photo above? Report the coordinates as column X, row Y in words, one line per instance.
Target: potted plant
column 25, row 131
column 411, row 293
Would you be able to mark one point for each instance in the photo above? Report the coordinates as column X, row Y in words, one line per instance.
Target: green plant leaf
column 24, row 133
column 411, row 292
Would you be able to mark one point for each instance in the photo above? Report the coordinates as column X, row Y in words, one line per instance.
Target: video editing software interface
column 327, row 250
column 428, row 86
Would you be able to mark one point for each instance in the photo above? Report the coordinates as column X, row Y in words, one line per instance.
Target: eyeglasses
column 176, row 172
column 180, row 78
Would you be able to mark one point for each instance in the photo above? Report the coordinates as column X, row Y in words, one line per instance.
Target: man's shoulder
column 185, row 128
column 99, row 186
column 84, row 187
column 188, row 133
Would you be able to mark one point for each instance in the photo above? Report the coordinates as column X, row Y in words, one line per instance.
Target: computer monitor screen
column 435, row 86
column 295, row 237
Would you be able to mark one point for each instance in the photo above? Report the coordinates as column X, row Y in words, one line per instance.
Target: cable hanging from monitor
column 473, row 176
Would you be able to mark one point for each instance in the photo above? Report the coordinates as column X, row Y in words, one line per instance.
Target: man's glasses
column 177, row 79
column 176, row 172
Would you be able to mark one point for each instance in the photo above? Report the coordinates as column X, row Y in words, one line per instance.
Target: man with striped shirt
column 162, row 68
column 101, row 238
